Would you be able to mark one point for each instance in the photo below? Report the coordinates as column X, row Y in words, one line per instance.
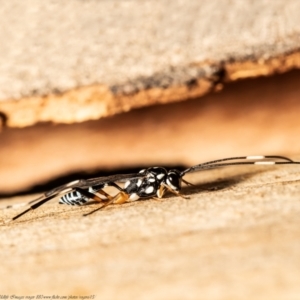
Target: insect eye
column 173, row 180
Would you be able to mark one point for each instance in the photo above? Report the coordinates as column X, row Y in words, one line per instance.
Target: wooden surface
column 250, row 117
column 237, row 237
column 68, row 62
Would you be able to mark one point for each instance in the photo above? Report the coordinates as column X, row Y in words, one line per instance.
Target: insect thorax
column 147, row 186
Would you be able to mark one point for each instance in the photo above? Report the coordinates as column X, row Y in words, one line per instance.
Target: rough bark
column 71, row 62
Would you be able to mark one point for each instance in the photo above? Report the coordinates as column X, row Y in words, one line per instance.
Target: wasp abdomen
column 73, row 198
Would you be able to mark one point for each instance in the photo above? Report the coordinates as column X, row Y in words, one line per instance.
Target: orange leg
column 161, row 191
column 120, row 198
column 175, row 192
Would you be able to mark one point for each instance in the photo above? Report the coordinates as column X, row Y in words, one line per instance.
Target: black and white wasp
column 148, row 183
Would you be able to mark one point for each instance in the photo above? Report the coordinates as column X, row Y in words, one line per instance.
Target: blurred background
column 97, row 87
column 105, row 86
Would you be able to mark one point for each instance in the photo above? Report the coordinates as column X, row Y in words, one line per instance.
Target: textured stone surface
column 237, row 237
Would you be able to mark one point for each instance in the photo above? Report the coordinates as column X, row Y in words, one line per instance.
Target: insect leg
column 175, row 192
column 99, row 189
column 93, row 196
column 120, row 198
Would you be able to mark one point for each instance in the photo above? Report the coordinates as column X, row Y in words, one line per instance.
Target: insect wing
column 60, row 189
column 112, row 178
column 82, row 183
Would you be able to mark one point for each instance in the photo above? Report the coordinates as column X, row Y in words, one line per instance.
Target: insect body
column 77, row 198
column 73, row 198
column 154, row 184
column 148, row 183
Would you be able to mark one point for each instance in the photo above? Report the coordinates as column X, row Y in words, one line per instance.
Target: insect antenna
column 186, row 182
column 255, row 160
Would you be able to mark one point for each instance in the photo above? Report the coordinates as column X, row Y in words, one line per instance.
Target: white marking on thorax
column 134, row 197
column 160, row 176
column 139, row 182
column 149, row 190
column 127, row 183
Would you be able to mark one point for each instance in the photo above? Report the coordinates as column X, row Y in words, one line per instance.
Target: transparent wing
column 112, row 178
column 86, row 183
column 81, row 183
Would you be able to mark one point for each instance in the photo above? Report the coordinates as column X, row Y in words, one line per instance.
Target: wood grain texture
column 71, row 62
column 250, row 117
column 237, row 237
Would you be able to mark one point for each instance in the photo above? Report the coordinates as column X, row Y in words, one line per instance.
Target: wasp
column 152, row 182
